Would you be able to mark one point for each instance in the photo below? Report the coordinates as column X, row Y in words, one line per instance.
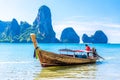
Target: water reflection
column 68, row 72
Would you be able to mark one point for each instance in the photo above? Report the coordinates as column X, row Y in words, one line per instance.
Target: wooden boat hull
column 52, row 59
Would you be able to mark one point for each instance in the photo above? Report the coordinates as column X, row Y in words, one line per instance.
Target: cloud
column 112, row 25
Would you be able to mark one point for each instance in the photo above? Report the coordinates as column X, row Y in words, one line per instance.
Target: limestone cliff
column 69, row 36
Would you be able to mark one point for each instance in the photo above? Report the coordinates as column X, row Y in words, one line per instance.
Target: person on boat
column 94, row 52
column 96, row 55
column 87, row 48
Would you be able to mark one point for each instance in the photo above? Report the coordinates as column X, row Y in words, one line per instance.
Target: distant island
column 12, row 32
column 98, row 37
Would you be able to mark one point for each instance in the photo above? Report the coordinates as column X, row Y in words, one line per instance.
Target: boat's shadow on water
column 74, row 71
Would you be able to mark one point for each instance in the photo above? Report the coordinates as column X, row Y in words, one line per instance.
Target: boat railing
column 74, row 53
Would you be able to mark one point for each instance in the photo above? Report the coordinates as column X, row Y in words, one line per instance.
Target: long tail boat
column 47, row 58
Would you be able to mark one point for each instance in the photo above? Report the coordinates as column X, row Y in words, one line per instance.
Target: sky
column 84, row 16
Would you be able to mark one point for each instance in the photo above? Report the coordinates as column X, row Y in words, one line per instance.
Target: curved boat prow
column 33, row 37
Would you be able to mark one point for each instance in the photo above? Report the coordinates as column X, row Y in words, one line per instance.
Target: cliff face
column 69, row 36
column 43, row 24
column 11, row 31
column 86, row 39
column 14, row 28
column 3, row 25
column 98, row 37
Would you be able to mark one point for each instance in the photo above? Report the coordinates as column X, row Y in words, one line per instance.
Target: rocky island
column 98, row 37
column 12, row 32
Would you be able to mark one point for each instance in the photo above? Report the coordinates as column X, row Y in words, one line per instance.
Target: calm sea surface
column 17, row 63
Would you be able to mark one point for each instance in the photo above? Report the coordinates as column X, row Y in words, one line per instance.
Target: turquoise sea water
column 17, row 63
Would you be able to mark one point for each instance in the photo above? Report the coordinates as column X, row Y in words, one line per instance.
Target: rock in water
column 69, row 36
column 86, row 38
column 98, row 37
column 44, row 25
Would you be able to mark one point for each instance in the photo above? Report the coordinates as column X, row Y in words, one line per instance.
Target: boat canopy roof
column 70, row 50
